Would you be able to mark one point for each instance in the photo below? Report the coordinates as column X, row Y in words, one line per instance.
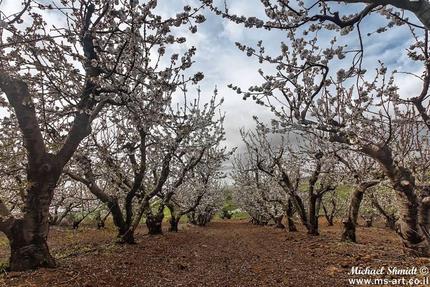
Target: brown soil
column 228, row 253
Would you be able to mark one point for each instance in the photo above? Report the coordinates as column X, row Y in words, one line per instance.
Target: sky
column 222, row 63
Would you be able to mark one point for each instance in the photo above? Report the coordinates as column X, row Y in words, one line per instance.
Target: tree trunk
column 413, row 229
column 291, row 226
column 28, row 236
column 29, row 248
column 349, row 223
column 174, row 218
column 313, row 217
column 125, row 232
column 203, row 219
column 154, row 222
column 192, row 218
column 75, row 224
column 290, row 212
column 300, row 208
column 414, row 240
column 126, row 236
column 278, row 221
column 329, row 216
column 100, row 224
column 348, row 233
column 174, row 222
column 390, row 222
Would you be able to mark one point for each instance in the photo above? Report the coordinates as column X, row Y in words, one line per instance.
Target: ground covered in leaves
column 225, row 253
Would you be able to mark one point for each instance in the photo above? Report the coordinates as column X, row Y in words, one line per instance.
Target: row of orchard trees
column 275, row 175
column 301, row 177
column 320, row 85
column 96, row 106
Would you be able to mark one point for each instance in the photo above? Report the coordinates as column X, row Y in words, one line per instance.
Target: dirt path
column 221, row 254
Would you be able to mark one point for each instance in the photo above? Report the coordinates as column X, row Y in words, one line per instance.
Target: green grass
column 229, row 206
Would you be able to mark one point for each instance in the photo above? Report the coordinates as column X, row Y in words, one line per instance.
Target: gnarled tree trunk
column 28, row 235
column 350, row 223
column 414, row 215
column 29, row 248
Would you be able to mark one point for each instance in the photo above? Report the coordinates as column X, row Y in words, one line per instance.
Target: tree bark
column 154, row 223
column 126, row 236
column 28, row 236
column 174, row 218
column 349, row 223
column 125, row 231
column 290, row 212
column 29, row 248
column 413, row 230
column 203, row 219
column 174, row 223
column 313, row 216
column 300, row 208
column 192, row 218
column 101, row 221
column 348, row 233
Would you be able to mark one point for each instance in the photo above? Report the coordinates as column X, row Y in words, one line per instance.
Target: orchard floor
column 225, row 253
